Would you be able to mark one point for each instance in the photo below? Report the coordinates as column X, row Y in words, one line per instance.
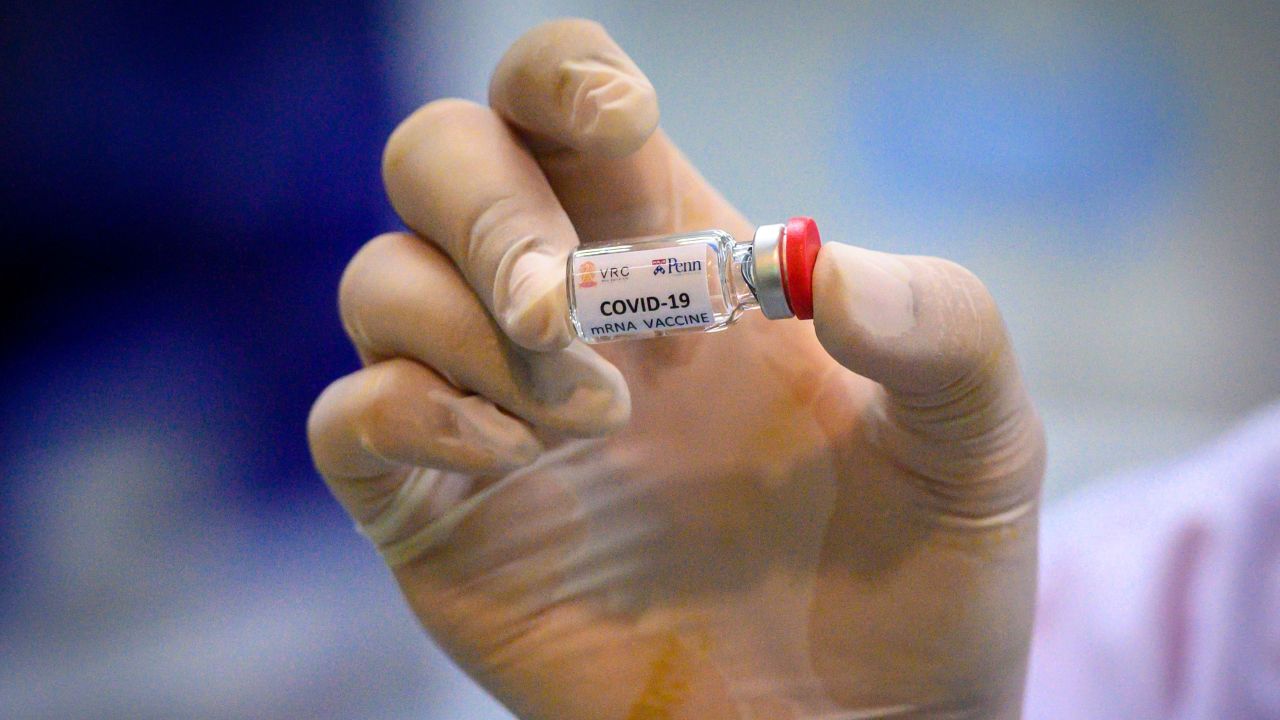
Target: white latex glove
column 768, row 522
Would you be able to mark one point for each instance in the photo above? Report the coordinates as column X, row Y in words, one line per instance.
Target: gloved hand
column 782, row 520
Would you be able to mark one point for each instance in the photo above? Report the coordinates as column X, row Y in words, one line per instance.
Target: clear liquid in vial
column 651, row 287
column 696, row 282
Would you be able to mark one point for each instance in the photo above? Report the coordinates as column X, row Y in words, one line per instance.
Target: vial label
column 642, row 292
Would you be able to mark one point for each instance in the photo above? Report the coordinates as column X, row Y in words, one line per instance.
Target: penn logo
column 672, row 266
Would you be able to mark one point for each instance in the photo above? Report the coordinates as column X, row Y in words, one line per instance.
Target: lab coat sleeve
column 1160, row 591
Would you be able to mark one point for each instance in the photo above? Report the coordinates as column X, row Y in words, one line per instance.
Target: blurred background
column 183, row 186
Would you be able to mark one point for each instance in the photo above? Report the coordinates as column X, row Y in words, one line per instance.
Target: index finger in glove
column 590, row 116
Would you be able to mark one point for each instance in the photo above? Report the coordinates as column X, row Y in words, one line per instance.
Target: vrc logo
column 587, row 275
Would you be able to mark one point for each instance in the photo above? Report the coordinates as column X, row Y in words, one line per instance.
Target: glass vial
column 695, row 282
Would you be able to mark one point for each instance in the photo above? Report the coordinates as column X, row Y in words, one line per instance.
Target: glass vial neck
column 742, row 286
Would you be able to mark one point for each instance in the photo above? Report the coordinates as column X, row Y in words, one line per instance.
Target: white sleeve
column 1160, row 591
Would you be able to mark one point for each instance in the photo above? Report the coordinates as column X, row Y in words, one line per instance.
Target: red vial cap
column 799, row 253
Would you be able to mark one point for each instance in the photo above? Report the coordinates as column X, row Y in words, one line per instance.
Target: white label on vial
column 643, row 291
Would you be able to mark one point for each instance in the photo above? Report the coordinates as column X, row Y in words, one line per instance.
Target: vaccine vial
column 695, row 282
